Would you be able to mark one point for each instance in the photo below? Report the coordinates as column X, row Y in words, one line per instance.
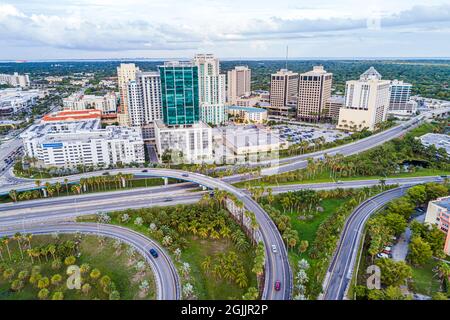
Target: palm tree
column 58, row 187
column 66, row 182
column 38, row 185
column 5, row 241
column 18, row 237
column 206, row 264
column 13, row 195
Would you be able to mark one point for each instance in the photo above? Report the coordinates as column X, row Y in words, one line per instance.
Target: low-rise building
column 186, row 143
column 15, row 80
column 80, row 101
column 15, row 100
column 438, row 213
column 68, row 144
column 72, row 115
column 248, row 114
column 436, row 139
column 246, row 140
column 332, row 107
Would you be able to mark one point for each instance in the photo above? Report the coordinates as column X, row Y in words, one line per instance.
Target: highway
column 277, row 264
column 166, row 277
column 340, row 272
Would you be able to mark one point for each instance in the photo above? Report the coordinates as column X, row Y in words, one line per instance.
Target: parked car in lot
column 277, row 285
column 154, row 253
column 383, row 255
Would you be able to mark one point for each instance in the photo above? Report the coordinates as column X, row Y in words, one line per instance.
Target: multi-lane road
column 165, row 274
column 340, row 272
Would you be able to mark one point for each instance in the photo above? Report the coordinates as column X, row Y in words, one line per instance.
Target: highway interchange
column 277, row 265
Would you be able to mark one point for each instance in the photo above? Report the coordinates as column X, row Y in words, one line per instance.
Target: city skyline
column 99, row 30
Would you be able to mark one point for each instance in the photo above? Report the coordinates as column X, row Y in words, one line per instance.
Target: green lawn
column 207, row 287
column 425, row 280
column 110, row 261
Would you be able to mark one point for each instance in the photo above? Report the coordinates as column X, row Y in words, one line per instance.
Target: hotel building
column 314, row 89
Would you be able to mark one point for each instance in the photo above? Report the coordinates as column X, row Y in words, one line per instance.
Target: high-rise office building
column 144, row 98
column 179, row 93
column 400, row 95
column 314, row 89
column 212, row 92
column 283, row 90
column 238, row 83
column 125, row 72
column 366, row 102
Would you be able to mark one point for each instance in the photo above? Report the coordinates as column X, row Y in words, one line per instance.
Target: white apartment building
column 212, row 91
column 14, row 100
column 248, row 114
column 238, row 83
column 314, row 89
column 81, row 101
column 187, row 144
column 366, row 102
column 68, row 144
column 125, row 72
column 283, row 90
column 144, row 99
column 15, row 80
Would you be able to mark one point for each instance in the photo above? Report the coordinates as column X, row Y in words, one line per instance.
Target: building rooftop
column 73, row 115
column 247, row 109
column 370, row 74
column 436, row 139
column 443, row 202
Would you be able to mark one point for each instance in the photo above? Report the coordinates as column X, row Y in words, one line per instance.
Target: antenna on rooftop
column 287, row 54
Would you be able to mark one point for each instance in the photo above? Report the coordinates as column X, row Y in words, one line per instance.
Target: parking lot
column 298, row 133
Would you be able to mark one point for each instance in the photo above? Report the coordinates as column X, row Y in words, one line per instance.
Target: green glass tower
column 179, row 93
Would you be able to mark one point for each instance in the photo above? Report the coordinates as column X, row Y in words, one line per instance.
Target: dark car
column 277, row 285
column 153, row 253
column 145, row 170
column 185, row 175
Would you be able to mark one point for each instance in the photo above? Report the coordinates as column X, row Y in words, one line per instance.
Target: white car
column 389, row 249
column 274, row 248
column 382, row 256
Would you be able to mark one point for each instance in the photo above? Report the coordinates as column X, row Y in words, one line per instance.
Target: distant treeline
column 430, row 78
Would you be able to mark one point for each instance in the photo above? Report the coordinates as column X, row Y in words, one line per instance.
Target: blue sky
column 43, row 29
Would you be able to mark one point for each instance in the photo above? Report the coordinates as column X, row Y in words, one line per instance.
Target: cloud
column 74, row 30
column 415, row 15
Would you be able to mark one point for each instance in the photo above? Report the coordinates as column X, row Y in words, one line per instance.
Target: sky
column 231, row 29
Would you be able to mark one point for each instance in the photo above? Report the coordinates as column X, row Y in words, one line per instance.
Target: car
column 154, row 253
column 339, row 182
column 105, row 173
column 145, row 170
column 185, row 175
column 274, row 248
column 382, row 255
column 168, row 199
column 277, row 285
column 388, row 248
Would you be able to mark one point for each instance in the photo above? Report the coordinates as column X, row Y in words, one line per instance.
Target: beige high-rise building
column 239, row 83
column 314, row 89
column 125, row 72
column 283, row 90
column 211, row 87
column 366, row 102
